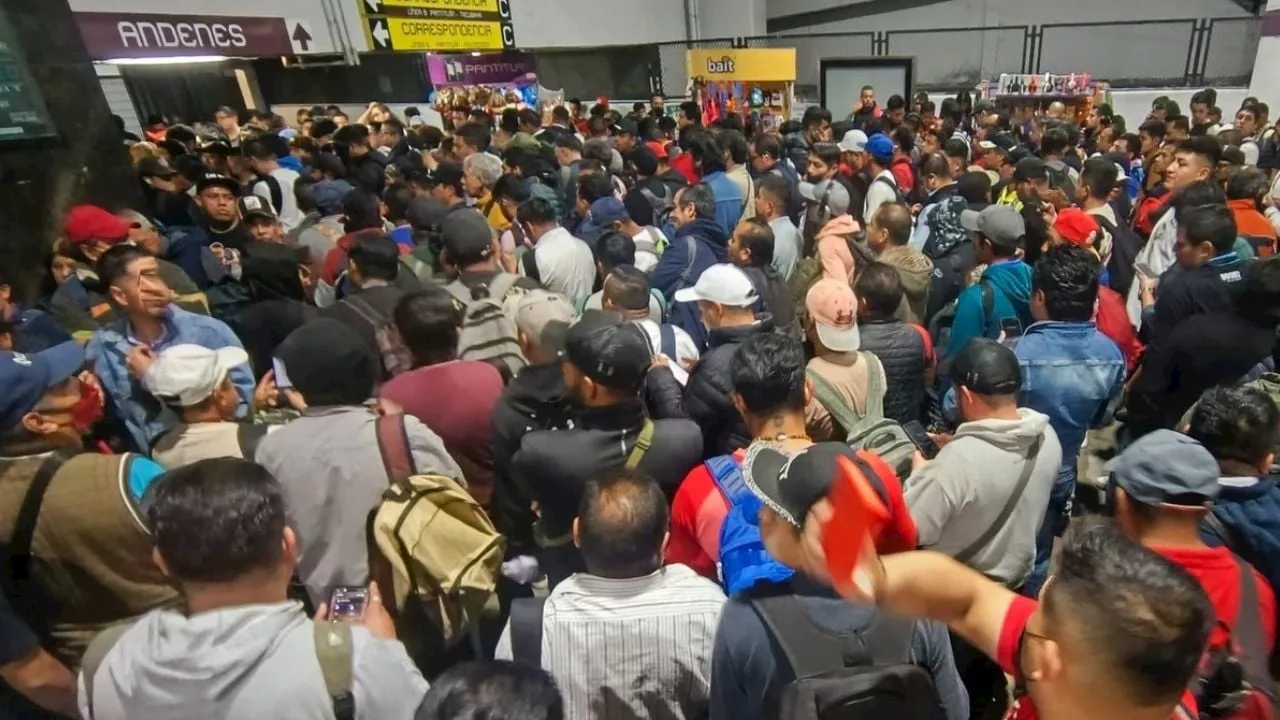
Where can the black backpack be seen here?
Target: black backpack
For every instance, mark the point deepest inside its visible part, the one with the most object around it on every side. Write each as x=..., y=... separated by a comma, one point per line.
x=847, y=677
x=1060, y=177
x=1125, y=245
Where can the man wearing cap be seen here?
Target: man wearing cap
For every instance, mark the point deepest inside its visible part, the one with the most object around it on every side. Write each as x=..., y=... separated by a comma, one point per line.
x=999, y=303
x=328, y=460
x=884, y=187
x=726, y=302
x=196, y=382
x=1161, y=489
x=91, y=230
x=535, y=399
x=1030, y=180
x=650, y=241
x=843, y=377
x=87, y=547
x=853, y=163
x=982, y=499
x=1074, y=374
x=260, y=220
x=168, y=200
x=748, y=673
x=605, y=363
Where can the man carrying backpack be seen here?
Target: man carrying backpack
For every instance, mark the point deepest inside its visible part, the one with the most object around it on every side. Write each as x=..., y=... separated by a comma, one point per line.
x=999, y=303
x=794, y=649
x=372, y=264
x=241, y=648
x=884, y=187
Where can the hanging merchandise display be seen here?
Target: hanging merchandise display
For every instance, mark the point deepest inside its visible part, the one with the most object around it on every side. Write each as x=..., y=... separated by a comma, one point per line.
x=493, y=82
x=751, y=82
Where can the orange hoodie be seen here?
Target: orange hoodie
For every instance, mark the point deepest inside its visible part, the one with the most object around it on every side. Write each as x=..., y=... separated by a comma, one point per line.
x=832, y=247
x=1253, y=226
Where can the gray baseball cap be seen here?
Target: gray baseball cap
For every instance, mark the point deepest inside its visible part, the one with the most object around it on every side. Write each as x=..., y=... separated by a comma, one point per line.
x=1000, y=224
x=836, y=197
x=1166, y=468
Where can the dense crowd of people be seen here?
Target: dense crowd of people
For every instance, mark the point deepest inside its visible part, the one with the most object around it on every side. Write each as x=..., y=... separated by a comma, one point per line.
x=554, y=416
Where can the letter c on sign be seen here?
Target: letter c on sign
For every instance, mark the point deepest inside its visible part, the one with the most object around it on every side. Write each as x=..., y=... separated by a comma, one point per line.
x=508, y=36
x=504, y=9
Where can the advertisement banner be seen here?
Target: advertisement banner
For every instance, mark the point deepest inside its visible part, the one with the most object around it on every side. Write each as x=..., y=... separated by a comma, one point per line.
x=509, y=68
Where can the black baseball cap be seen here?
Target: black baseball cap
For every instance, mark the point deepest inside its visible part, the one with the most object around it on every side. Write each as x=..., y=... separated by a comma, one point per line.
x=609, y=350
x=426, y=213
x=1030, y=168
x=987, y=367
x=322, y=356
x=447, y=174
x=625, y=127
x=212, y=179
x=252, y=206
x=468, y=238
x=791, y=484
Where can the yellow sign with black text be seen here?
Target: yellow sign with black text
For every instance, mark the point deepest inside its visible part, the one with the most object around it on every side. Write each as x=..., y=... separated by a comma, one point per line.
x=745, y=65
x=438, y=25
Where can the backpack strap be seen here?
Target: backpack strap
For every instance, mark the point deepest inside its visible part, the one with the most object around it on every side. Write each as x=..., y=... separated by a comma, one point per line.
x=501, y=285
x=1247, y=633
x=643, y=441
x=809, y=650
x=366, y=311
x=248, y=435
x=1028, y=467
x=1219, y=529
x=393, y=445
x=95, y=654
x=668, y=346
x=24, y=532
x=988, y=300
x=830, y=398
x=526, y=630
x=875, y=385
x=727, y=474
x=529, y=263
x=334, y=652
x=686, y=277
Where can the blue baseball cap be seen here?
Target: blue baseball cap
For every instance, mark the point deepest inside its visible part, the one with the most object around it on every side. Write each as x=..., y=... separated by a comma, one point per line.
x=25, y=378
x=607, y=211
x=880, y=147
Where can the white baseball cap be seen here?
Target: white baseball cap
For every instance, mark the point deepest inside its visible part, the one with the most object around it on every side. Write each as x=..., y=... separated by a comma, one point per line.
x=854, y=141
x=722, y=284
x=187, y=375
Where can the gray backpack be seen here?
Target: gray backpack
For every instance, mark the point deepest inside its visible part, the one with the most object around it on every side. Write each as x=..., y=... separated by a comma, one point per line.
x=488, y=330
x=871, y=431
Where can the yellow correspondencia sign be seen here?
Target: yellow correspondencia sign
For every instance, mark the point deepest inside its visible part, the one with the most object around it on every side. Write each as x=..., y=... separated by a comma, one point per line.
x=745, y=65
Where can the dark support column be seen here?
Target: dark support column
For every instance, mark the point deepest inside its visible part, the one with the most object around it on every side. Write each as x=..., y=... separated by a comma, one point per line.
x=87, y=162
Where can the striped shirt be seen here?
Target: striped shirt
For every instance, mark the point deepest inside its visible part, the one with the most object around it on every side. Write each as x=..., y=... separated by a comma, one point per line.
x=634, y=648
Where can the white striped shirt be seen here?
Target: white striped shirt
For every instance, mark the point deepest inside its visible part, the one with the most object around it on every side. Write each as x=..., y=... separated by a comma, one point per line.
x=636, y=648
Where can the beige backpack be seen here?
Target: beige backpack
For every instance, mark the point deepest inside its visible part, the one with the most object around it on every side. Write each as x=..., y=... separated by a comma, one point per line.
x=439, y=547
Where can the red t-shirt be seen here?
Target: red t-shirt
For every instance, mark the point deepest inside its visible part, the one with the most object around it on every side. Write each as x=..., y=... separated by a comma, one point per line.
x=698, y=511
x=456, y=400
x=683, y=164
x=1219, y=575
x=1015, y=624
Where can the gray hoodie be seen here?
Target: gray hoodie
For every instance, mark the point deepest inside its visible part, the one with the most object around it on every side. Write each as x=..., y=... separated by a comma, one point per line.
x=253, y=661
x=960, y=493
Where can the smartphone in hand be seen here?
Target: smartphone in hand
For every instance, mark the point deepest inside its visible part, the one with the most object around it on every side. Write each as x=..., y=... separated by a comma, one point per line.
x=925, y=444
x=347, y=602
x=857, y=516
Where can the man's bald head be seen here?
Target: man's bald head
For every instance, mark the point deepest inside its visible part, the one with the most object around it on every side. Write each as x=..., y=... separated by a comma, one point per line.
x=1057, y=109
x=622, y=525
x=897, y=220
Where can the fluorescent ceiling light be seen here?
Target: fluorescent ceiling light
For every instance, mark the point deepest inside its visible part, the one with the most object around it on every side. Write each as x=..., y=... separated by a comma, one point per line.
x=178, y=60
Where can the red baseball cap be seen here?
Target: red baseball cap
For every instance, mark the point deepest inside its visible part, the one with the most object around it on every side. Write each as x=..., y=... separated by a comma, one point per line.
x=1076, y=227
x=658, y=149
x=89, y=223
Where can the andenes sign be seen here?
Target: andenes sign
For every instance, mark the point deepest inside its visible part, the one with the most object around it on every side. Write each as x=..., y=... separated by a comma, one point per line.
x=117, y=35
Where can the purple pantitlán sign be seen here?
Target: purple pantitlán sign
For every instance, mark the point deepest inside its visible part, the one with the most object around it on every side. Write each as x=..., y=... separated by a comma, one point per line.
x=508, y=68
x=119, y=35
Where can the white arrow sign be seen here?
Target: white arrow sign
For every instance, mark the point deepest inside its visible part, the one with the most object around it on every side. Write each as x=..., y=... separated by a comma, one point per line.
x=374, y=5
x=381, y=34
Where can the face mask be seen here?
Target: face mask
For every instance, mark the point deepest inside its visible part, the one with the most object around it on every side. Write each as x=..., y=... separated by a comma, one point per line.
x=88, y=409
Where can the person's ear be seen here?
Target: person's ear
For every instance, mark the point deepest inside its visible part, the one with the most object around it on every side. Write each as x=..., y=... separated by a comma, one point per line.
x=738, y=403
x=1038, y=297
x=808, y=392
x=158, y=559
x=289, y=547
x=1265, y=466
x=1047, y=661
x=34, y=423
x=577, y=535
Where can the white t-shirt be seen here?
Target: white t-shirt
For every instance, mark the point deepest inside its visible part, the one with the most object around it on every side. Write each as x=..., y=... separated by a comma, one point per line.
x=879, y=193
x=648, y=237
x=565, y=263
x=290, y=216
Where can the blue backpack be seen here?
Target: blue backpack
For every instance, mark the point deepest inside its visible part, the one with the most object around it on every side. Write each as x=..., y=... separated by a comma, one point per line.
x=743, y=560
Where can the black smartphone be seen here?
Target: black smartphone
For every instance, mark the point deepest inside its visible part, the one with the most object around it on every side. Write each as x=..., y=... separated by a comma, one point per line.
x=925, y=444
x=347, y=602
x=1011, y=327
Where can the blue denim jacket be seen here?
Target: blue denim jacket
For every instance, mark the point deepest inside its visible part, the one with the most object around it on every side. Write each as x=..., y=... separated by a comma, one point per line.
x=145, y=417
x=1074, y=374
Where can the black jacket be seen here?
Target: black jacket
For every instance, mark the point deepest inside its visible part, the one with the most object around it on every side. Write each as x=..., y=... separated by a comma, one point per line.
x=555, y=465
x=1203, y=351
x=1210, y=288
x=706, y=396
x=535, y=400
x=901, y=350
x=368, y=172
x=775, y=298
x=382, y=301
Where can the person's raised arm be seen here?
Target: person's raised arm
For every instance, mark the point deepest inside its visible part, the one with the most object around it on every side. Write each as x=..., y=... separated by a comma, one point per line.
x=42, y=679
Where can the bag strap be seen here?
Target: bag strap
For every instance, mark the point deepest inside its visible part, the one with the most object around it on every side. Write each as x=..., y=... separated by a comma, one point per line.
x=1214, y=524
x=24, y=530
x=643, y=441
x=526, y=630
x=366, y=311
x=988, y=300
x=727, y=475
x=668, y=343
x=1028, y=467
x=830, y=398
x=1247, y=633
x=875, y=385
x=809, y=650
x=393, y=445
x=686, y=277
x=334, y=652
x=95, y=654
